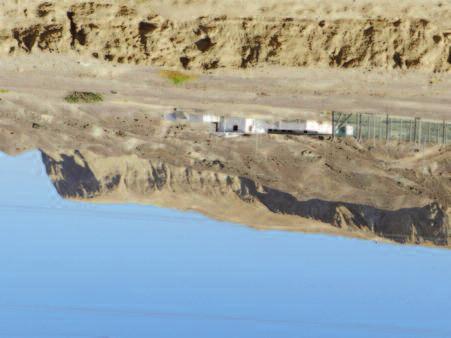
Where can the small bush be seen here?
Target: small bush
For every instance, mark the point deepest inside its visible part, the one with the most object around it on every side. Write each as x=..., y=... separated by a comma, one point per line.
x=176, y=77
x=83, y=97
x=4, y=91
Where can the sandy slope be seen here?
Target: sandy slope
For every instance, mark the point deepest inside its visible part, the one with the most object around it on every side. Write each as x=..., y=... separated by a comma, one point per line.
x=40, y=82
x=272, y=181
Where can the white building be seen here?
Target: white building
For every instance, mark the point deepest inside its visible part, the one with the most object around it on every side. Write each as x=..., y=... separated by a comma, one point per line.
x=242, y=125
x=316, y=127
x=262, y=126
x=305, y=127
x=289, y=126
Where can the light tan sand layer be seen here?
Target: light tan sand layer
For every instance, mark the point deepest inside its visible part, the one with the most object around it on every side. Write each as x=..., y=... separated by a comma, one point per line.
x=207, y=35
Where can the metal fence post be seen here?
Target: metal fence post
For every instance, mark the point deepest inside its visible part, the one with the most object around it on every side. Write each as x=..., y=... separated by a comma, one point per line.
x=410, y=131
x=419, y=131
x=446, y=134
x=438, y=134
x=359, y=126
x=415, y=129
x=333, y=125
x=374, y=130
x=387, y=132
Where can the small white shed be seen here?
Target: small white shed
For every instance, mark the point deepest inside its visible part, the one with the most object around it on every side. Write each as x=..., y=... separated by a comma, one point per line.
x=241, y=125
x=317, y=127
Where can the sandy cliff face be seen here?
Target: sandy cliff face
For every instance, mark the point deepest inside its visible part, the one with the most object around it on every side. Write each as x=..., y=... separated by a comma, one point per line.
x=141, y=33
x=90, y=176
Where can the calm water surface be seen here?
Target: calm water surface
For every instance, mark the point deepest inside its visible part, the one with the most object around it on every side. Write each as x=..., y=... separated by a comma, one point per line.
x=72, y=269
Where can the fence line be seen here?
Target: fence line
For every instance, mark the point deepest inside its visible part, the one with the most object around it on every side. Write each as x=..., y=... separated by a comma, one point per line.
x=366, y=126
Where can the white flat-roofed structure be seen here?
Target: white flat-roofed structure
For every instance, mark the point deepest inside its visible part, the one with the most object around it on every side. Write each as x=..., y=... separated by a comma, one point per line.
x=303, y=127
x=317, y=127
x=235, y=125
x=289, y=126
x=242, y=125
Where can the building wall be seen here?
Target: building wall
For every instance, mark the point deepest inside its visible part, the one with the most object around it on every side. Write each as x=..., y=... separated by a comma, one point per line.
x=210, y=118
x=227, y=124
x=261, y=126
x=290, y=125
x=308, y=126
x=325, y=128
x=318, y=127
x=248, y=126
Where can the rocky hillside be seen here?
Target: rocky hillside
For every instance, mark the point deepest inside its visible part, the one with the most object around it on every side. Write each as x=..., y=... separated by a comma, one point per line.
x=314, y=184
x=128, y=32
x=90, y=176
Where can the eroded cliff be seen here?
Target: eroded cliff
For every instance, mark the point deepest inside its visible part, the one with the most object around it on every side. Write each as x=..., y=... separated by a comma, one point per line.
x=132, y=32
x=89, y=176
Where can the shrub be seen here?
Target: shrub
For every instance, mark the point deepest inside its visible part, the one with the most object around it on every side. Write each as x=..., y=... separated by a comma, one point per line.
x=83, y=97
x=176, y=77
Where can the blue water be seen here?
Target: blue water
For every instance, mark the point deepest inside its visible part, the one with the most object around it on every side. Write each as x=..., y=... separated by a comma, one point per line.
x=72, y=269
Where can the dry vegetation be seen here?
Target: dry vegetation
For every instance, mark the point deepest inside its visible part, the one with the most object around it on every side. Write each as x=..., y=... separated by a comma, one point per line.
x=83, y=97
x=177, y=77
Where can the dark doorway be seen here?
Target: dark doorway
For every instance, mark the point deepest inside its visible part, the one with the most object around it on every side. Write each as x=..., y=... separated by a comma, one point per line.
x=235, y=127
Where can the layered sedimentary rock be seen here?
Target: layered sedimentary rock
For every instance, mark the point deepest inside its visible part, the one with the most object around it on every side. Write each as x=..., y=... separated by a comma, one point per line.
x=131, y=33
x=126, y=178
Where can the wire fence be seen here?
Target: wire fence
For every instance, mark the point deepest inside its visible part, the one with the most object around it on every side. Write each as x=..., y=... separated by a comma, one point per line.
x=364, y=126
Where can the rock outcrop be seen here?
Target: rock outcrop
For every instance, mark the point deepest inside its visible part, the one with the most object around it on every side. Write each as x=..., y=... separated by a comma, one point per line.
x=131, y=33
x=153, y=180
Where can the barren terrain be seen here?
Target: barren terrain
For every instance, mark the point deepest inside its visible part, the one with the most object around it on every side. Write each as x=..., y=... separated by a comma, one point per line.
x=278, y=58
x=271, y=59
x=41, y=81
x=393, y=191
